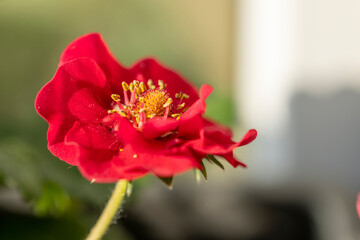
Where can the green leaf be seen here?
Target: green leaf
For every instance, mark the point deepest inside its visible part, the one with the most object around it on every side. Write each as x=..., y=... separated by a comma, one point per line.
x=212, y=159
x=167, y=180
x=53, y=200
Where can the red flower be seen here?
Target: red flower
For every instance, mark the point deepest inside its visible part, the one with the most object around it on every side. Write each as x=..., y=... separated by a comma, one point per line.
x=115, y=123
x=358, y=204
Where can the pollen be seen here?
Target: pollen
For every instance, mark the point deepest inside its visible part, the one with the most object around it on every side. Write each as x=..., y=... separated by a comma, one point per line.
x=153, y=102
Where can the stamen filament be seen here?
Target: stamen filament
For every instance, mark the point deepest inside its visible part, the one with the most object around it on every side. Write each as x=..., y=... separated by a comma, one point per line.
x=167, y=110
x=126, y=97
x=133, y=97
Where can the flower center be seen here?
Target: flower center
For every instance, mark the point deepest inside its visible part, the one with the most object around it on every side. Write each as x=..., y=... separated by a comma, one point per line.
x=146, y=102
x=153, y=102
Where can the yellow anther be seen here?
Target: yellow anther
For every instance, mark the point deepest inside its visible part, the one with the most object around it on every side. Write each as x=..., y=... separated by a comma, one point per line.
x=121, y=149
x=136, y=83
x=184, y=95
x=142, y=110
x=166, y=134
x=143, y=87
x=176, y=115
x=185, y=109
x=123, y=113
x=178, y=95
x=180, y=106
x=116, y=97
x=138, y=92
x=135, y=156
x=151, y=84
x=168, y=102
x=141, y=99
x=112, y=111
x=125, y=86
x=131, y=87
x=161, y=84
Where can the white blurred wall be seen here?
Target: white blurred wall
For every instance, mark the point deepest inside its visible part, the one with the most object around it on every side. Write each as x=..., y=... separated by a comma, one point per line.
x=288, y=48
x=298, y=79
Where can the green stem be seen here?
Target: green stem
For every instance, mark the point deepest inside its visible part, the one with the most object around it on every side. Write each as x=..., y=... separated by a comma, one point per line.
x=109, y=212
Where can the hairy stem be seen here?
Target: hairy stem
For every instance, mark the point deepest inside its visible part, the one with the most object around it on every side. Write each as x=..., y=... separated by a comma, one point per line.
x=109, y=212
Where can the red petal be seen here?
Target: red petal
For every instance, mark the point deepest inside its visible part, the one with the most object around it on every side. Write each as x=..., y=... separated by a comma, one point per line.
x=199, y=106
x=248, y=138
x=157, y=126
x=52, y=101
x=233, y=161
x=98, y=148
x=93, y=46
x=216, y=142
x=210, y=124
x=191, y=129
x=152, y=69
x=154, y=156
x=87, y=106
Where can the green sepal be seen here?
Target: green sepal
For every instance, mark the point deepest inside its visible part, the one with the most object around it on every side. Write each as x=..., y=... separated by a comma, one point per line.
x=203, y=170
x=167, y=180
x=212, y=159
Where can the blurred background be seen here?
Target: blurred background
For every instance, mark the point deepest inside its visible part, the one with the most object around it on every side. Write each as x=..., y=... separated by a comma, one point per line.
x=289, y=68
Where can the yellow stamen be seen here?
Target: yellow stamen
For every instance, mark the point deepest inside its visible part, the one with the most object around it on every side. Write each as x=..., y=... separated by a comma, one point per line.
x=135, y=156
x=143, y=87
x=121, y=149
x=178, y=95
x=161, y=84
x=123, y=113
x=180, y=106
x=151, y=84
x=166, y=134
x=125, y=86
x=176, y=115
x=185, y=109
x=136, y=83
x=168, y=102
x=116, y=97
x=184, y=95
x=131, y=87
x=112, y=111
